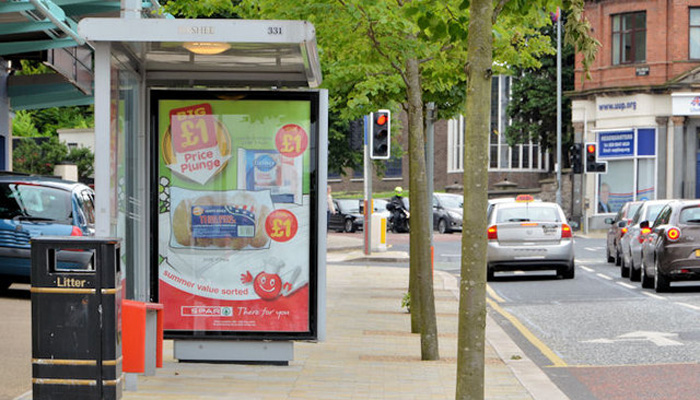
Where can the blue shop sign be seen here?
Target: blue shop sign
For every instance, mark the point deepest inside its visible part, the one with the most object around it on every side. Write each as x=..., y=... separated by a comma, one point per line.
x=616, y=144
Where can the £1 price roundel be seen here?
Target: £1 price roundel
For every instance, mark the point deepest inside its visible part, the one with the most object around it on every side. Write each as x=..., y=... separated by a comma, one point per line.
x=198, y=146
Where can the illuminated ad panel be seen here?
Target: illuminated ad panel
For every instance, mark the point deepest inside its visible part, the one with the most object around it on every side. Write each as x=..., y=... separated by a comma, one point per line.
x=234, y=213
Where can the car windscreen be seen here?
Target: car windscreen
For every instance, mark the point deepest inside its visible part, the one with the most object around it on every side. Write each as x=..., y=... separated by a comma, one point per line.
x=451, y=201
x=633, y=209
x=527, y=213
x=690, y=215
x=349, y=206
x=653, y=211
x=34, y=202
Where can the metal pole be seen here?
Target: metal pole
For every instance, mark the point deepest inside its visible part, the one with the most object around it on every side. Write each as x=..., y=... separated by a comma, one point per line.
x=558, y=107
x=430, y=157
x=368, y=187
x=430, y=167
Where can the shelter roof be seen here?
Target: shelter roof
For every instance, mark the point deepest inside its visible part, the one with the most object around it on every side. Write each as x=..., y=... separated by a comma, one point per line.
x=214, y=52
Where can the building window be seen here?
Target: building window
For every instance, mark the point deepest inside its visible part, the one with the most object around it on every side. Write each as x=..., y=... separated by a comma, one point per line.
x=631, y=173
x=501, y=156
x=394, y=168
x=455, y=144
x=694, y=32
x=334, y=175
x=629, y=38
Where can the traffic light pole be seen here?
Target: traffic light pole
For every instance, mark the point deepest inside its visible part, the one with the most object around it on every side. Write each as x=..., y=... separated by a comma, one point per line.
x=368, y=187
x=559, y=160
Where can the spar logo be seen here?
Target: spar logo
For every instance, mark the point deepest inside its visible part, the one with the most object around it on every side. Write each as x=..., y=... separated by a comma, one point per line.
x=265, y=163
x=206, y=311
x=695, y=104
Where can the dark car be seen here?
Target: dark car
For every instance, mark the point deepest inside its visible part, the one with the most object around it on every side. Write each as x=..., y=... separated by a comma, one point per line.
x=32, y=206
x=447, y=212
x=348, y=217
x=671, y=251
x=618, y=228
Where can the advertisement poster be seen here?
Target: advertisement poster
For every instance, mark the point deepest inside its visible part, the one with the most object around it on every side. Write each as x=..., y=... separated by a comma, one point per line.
x=234, y=213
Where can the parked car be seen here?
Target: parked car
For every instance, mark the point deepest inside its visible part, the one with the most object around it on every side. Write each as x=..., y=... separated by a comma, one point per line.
x=529, y=235
x=618, y=228
x=32, y=206
x=631, y=242
x=447, y=212
x=672, y=250
x=348, y=217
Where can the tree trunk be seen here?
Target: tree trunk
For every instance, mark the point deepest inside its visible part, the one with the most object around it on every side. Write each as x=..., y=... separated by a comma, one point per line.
x=421, y=216
x=472, y=304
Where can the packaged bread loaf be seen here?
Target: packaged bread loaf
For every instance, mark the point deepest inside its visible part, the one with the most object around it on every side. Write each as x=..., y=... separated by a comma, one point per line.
x=225, y=220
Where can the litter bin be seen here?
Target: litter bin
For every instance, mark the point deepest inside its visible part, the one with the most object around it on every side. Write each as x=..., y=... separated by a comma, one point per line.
x=76, y=330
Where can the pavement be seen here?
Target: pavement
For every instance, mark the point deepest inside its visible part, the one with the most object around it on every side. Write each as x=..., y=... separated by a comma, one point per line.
x=369, y=352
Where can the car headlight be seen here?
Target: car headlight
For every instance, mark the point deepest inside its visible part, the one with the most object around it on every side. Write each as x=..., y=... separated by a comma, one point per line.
x=454, y=215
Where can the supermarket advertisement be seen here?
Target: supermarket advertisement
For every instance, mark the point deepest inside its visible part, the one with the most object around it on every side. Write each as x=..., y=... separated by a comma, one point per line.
x=234, y=212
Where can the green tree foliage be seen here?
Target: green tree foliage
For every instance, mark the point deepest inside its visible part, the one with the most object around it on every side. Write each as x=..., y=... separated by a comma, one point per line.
x=47, y=121
x=200, y=8
x=533, y=105
x=84, y=159
x=23, y=125
x=31, y=157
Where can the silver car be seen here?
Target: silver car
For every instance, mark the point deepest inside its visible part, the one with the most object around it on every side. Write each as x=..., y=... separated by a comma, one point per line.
x=528, y=236
x=631, y=241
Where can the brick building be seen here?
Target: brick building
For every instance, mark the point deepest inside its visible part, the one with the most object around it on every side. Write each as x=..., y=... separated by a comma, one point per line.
x=642, y=103
x=523, y=165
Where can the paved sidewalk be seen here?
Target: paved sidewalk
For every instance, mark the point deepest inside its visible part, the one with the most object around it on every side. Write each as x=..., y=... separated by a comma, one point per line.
x=369, y=352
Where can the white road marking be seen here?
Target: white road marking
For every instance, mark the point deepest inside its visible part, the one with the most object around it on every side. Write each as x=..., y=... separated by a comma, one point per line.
x=591, y=261
x=605, y=277
x=660, y=339
x=593, y=248
x=656, y=296
x=693, y=307
x=627, y=285
x=587, y=269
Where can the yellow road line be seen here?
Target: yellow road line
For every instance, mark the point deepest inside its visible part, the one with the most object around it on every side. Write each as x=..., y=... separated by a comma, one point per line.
x=493, y=294
x=553, y=358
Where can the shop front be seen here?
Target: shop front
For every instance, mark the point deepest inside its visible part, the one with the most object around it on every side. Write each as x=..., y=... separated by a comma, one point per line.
x=630, y=133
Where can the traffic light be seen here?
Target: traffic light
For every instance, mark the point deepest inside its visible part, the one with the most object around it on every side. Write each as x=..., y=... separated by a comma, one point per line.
x=575, y=158
x=357, y=134
x=592, y=164
x=379, y=135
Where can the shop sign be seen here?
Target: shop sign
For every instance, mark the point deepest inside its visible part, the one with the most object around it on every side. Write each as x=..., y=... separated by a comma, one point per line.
x=618, y=106
x=616, y=144
x=686, y=103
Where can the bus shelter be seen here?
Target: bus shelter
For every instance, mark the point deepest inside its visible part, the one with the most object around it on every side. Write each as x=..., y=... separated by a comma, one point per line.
x=210, y=163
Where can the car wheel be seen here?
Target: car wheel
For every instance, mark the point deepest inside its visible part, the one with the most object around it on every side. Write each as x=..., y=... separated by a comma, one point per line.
x=661, y=283
x=647, y=281
x=349, y=226
x=635, y=274
x=442, y=226
x=568, y=272
x=618, y=258
x=624, y=269
x=607, y=253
